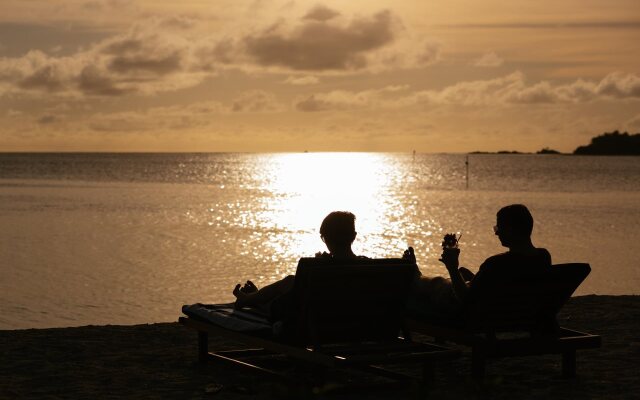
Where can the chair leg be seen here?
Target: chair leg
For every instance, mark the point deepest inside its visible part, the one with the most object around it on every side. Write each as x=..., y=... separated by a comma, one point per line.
x=477, y=363
x=203, y=346
x=569, y=364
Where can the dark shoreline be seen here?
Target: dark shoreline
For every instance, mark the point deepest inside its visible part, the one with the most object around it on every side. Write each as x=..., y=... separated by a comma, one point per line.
x=159, y=361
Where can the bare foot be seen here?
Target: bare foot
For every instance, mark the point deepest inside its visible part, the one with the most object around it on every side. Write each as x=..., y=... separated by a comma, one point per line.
x=241, y=297
x=249, y=287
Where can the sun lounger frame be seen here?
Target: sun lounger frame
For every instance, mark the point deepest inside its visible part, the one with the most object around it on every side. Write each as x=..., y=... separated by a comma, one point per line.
x=320, y=338
x=517, y=318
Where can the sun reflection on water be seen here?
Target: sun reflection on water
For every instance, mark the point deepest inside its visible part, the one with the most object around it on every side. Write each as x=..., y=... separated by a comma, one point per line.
x=306, y=187
x=270, y=215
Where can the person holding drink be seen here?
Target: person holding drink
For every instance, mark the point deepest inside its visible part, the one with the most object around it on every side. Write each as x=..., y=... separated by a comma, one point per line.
x=442, y=297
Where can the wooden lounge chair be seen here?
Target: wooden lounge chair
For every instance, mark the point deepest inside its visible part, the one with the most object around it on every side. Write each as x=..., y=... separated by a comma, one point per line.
x=339, y=315
x=516, y=318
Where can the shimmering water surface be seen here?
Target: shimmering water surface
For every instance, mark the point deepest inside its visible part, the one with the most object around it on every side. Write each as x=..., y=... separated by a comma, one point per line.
x=129, y=238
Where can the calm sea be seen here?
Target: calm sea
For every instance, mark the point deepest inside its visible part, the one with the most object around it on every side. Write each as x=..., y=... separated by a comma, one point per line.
x=129, y=238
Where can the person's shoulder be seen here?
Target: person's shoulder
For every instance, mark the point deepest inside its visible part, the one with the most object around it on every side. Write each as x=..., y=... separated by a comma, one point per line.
x=495, y=259
x=544, y=255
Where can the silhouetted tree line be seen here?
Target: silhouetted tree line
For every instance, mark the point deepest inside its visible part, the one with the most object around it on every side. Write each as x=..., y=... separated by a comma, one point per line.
x=613, y=143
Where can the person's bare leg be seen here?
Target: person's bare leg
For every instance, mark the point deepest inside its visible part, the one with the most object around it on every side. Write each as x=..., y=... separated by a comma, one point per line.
x=466, y=274
x=264, y=295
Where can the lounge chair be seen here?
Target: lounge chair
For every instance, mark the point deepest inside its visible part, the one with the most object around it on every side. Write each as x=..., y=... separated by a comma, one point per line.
x=339, y=315
x=516, y=318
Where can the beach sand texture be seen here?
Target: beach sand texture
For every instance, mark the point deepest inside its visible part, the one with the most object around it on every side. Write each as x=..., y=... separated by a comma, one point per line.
x=159, y=361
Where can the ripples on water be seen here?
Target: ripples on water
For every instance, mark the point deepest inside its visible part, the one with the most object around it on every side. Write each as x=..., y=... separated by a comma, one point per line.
x=126, y=238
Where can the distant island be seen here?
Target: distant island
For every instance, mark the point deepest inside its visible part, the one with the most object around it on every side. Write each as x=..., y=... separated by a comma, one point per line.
x=609, y=143
x=613, y=143
x=546, y=150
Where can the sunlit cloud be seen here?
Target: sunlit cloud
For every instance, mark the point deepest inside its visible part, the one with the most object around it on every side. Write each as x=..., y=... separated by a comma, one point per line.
x=513, y=89
x=505, y=90
x=302, y=80
x=256, y=101
x=488, y=60
x=633, y=124
x=344, y=100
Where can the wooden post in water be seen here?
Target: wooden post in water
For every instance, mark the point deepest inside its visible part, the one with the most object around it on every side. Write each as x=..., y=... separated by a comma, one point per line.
x=466, y=163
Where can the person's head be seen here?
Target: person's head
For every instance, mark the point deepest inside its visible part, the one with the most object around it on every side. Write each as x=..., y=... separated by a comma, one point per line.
x=338, y=231
x=514, y=224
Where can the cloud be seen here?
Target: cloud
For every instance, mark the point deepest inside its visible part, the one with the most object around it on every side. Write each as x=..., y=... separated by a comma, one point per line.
x=345, y=100
x=302, y=80
x=321, y=45
x=510, y=89
x=144, y=52
x=104, y=5
x=36, y=71
x=47, y=78
x=321, y=13
x=405, y=53
x=158, y=119
x=94, y=81
x=513, y=89
x=313, y=103
x=633, y=124
x=429, y=54
x=255, y=101
x=165, y=54
x=192, y=117
x=123, y=122
x=620, y=85
x=488, y=60
x=145, y=59
x=47, y=119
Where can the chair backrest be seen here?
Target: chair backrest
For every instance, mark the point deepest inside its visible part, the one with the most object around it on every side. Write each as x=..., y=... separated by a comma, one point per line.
x=524, y=304
x=353, y=300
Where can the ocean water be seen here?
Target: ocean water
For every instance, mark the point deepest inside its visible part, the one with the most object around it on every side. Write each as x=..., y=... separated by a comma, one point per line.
x=129, y=238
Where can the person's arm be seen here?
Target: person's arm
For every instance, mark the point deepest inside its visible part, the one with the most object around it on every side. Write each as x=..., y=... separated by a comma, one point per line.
x=450, y=260
x=264, y=295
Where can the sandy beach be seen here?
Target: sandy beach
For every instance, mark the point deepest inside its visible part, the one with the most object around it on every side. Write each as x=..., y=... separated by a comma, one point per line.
x=159, y=361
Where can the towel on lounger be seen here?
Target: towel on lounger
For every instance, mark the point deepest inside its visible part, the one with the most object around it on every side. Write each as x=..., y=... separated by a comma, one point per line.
x=226, y=316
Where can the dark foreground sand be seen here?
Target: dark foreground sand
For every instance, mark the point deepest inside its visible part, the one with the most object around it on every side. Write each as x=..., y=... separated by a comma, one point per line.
x=159, y=361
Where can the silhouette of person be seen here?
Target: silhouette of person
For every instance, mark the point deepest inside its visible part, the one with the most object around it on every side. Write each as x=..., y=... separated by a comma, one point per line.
x=337, y=231
x=441, y=296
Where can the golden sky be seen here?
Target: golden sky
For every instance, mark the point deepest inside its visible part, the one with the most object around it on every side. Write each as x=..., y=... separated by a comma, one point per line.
x=358, y=75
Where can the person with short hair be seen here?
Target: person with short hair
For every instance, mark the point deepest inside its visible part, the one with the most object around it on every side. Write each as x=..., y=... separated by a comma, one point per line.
x=514, y=225
x=337, y=231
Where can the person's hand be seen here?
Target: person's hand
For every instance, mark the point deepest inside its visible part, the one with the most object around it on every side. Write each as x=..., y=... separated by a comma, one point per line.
x=449, y=258
x=409, y=255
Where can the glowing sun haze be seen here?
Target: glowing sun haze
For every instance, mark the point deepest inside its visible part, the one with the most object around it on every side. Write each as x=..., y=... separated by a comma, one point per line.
x=434, y=76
